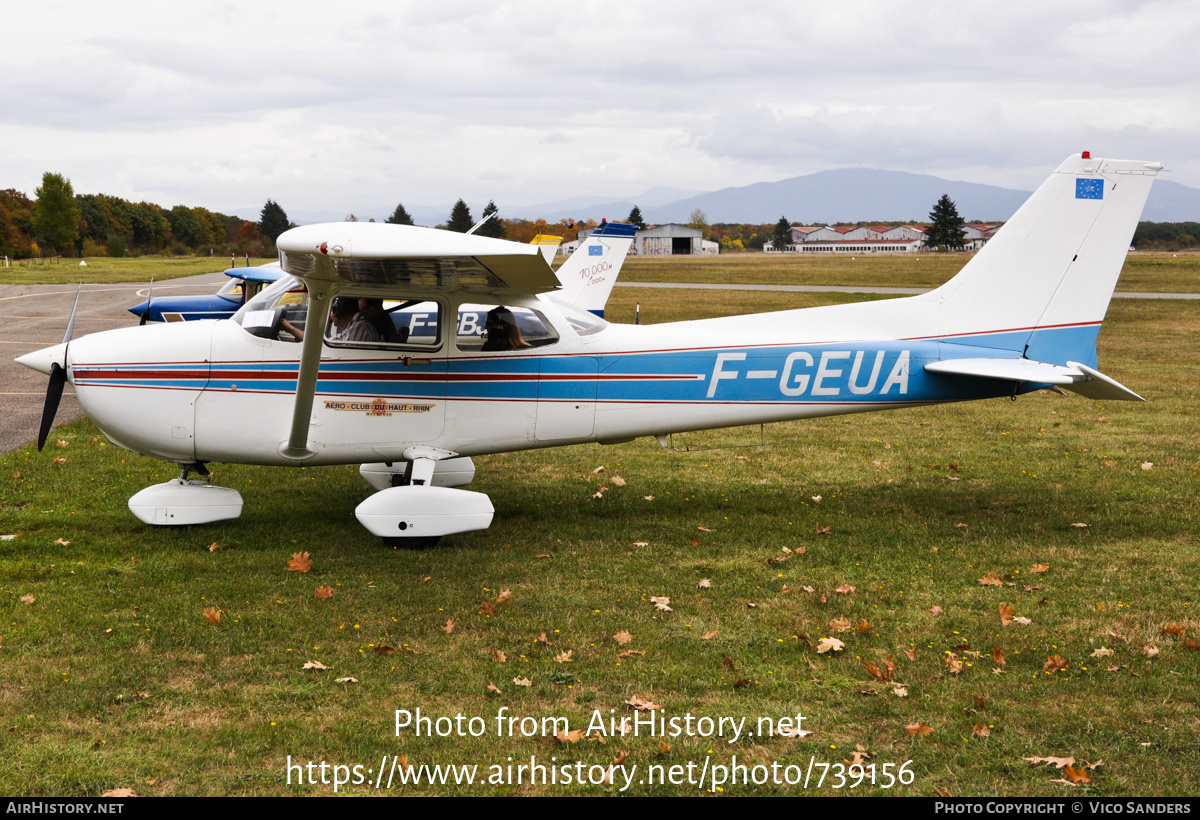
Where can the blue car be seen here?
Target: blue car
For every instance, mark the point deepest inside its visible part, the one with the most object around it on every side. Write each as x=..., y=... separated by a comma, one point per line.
x=243, y=284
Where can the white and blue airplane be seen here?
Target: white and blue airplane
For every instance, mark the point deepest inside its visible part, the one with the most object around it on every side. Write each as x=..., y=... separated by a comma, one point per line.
x=1022, y=315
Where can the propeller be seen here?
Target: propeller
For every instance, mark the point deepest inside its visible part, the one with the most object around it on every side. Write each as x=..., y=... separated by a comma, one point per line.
x=58, y=379
x=146, y=315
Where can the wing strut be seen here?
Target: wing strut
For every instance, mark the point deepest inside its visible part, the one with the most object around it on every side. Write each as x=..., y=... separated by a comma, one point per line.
x=296, y=446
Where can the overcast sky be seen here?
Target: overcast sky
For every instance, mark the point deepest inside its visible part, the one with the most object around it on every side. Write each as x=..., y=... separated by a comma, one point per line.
x=355, y=106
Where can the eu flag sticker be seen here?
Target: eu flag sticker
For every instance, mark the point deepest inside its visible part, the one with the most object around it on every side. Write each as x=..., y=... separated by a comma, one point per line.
x=1089, y=188
x=595, y=250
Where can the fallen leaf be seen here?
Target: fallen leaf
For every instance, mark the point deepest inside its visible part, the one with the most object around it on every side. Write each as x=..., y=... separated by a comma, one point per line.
x=522, y=681
x=941, y=791
x=1079, y=775
x=998, y=656
x=1102, y=652
x=864, y=626
x=212, y=615
x=899, y=691
x=1056, y=762
x=617, y=481
x=960, y=526
x=845, y=589
x=1079, y=524
x=323, y=592
x=641, y=543
x=491, y=687
x=542, y=555
x=120, y=793
x=741, y=683
x=1192, y=644
x=704, y=529
x=1149, y=650
x=384, y=649
x=881, y=675
x=777, y=561
x=599, y=493
x=572, y=736
x=1039, y=568
x=301, y=562
x=345, y=680
x=791, y=731
x=704, y=584
x=620, y=758
x=63, y=442
x=1174, y=630
x=816, y=499
x=953, y=663
x=911, y=653
x=1147, y=465
x=630, y=653
x=62, y=542
x=839, y=624
x=60, y=460
x=641, y=704
x=565, y=657
x=822, y=530
x=827, y=644
x=449, y=627
x=1022, y=621
x=647, y=498
x=991, y=580
x=314, y=665
x=1054, y=663
x=1006, y=614
x=708, y=635
x=213, y=546
x=919, y=729
x=498, y=656
x=935, y=610
x=598, y=470
x=27, y=599
x=661, y=602
x=622, y=637
x=542, y=638
x=486, y=609
x=979, y=730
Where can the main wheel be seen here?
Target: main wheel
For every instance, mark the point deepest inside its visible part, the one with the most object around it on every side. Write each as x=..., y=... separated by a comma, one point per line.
x=419, y=543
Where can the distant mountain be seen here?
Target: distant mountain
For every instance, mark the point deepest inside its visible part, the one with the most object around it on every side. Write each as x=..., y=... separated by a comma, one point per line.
x=844, y=195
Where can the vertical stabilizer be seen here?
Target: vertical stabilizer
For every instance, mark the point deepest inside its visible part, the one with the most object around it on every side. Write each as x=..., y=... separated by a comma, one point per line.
x=589, y=275
x=1042, y=285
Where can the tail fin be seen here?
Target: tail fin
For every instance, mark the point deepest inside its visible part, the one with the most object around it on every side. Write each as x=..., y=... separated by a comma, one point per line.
x=548, y=245
x=589, y=275
x=1041, y=287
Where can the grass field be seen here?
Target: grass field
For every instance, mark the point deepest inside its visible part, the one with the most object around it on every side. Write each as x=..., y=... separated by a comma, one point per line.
x=905, y=535
x=110, y=270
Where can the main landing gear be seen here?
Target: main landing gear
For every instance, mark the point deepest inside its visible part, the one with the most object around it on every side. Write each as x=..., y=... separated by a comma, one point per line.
x=420, y=505
x=186, y=501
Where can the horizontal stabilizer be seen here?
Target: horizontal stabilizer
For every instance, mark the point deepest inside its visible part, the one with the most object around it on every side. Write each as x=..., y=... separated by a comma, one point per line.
x=1076, y=377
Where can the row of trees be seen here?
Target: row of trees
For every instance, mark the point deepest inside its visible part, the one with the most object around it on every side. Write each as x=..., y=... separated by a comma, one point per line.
x=59, y=221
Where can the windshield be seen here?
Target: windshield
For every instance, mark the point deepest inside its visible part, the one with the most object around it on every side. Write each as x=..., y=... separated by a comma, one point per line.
x=583, y=322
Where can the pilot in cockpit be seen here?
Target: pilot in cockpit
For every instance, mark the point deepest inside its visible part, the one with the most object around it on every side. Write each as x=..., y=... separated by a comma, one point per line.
x=503, y=332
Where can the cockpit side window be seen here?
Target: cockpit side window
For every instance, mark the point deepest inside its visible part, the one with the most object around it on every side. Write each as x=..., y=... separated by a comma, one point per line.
x=499, y=328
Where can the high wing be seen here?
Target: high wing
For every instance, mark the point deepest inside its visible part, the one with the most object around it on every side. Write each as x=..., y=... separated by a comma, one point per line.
x=382, y=257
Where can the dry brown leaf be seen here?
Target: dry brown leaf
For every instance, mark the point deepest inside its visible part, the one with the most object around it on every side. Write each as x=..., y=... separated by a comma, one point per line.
x=317, y=665
x=1056, y=762
x=27, y=599
x=1079, y=524
x=1150, y=650
x=822, y=530
x=522, y=681
x=504, y=597
x=704, y=584
x=1174, y=630
x=839, y=624
x=1078, y=775
x=1147, y=465
x=998, y=656
x=486, y=609
x=565, y=657
x=62, y=542
x=1022, y=621
x=827, y=644
x=1102, y=652
x=120, y=793
x=1054, y=663
x=864, y=626
x=704, y=529
x=449, y=627
x=491, y=687
x=598, y=470
x=301, y=562
x=60, y=460
x=816, y=499
x=979, y=730
x=622, y=637
x=1039, y=568
x=629, y=653
x=991, y=580
x=212, y=615
x=935, y=610
x=1193, y=644
x=324, y=592
x=899, y=691
x=214, y=546
x=647, y=498
x=572, y=736
x=953, y=663
x=498, y=656
x=1006, y=614
x=384, y=649
x=941, y=791
x=741, y=683
x=620, y=758
x=881, y=675
x=661, y=602
x=617, y=481
x=542, y=638
x=708, y=635
x=919, y=729
x=641, y=704
x=845, y=589
x=777, y=561
x=345, y=680
x=911, y=654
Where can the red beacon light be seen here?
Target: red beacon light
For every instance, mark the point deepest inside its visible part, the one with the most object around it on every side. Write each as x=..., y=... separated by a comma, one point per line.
x=1087, y=154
